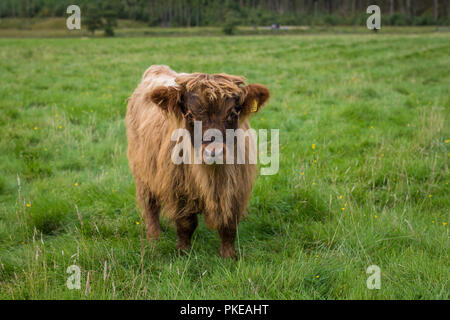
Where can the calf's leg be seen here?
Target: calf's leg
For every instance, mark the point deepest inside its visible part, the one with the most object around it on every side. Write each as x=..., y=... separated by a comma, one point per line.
x=227, y=238
x=185, y=229
x=151, y=217
x=150, y=213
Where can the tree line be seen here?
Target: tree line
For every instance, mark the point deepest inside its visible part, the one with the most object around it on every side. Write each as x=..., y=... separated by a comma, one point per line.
x=184, y=13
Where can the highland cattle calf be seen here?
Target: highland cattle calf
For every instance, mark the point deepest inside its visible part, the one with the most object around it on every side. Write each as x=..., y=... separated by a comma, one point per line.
x=166, y=101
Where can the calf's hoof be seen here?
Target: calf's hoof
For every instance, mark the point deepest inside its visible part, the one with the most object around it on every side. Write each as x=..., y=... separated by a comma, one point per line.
x=153, y=234
x=183, y=248
x=228, y=253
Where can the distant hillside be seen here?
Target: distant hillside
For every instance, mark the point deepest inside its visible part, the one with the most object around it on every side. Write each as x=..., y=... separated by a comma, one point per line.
x=173, y=13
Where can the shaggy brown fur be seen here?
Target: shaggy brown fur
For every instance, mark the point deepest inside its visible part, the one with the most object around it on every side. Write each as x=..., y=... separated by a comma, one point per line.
x=165, y=101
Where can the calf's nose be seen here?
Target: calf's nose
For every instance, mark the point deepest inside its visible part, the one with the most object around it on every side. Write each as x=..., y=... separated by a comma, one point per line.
x=217, y=152
x=214, y=153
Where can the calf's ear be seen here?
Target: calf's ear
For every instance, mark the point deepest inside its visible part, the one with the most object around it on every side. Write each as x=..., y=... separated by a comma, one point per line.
x=167, y=98
x=255, y=96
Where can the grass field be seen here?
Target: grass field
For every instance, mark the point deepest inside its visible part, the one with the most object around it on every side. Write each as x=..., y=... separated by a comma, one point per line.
x=363, y=180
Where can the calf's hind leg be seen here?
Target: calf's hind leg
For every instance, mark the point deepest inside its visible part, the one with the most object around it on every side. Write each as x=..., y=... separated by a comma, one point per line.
x=150, y=213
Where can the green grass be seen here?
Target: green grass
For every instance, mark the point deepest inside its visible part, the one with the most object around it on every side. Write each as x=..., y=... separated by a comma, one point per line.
x=373, y=191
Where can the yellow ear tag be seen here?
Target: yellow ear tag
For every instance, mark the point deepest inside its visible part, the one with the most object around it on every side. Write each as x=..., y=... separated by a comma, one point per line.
x=255, y=106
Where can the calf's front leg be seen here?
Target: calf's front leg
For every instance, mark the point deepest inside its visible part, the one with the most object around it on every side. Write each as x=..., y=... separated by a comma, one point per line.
x=151, y=218
x=150, y=211
x=227, y=238
x=185, y=229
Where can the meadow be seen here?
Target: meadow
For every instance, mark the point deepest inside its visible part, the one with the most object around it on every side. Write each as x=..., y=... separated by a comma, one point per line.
x=363, y=179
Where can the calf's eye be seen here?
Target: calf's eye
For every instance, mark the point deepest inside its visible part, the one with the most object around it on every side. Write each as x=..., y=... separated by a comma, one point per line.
x=232, y=118
x=189, y=116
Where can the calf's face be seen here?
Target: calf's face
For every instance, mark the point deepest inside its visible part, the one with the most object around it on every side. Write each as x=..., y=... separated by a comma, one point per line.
x=217, y=109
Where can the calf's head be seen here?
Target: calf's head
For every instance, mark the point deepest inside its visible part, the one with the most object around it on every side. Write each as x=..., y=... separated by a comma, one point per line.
x=219, y=102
